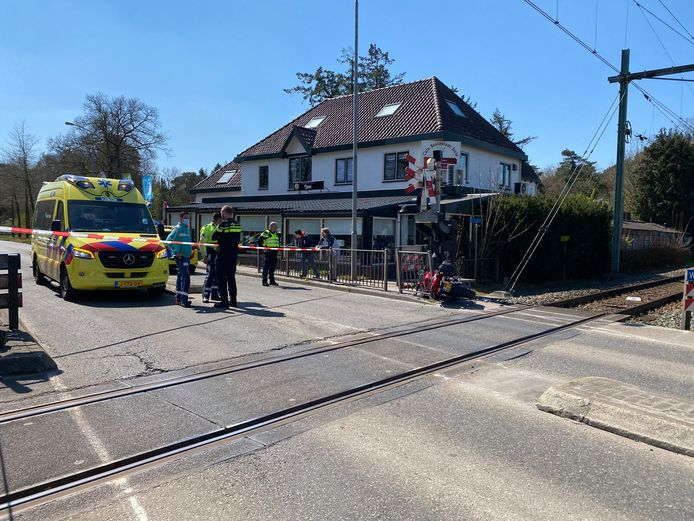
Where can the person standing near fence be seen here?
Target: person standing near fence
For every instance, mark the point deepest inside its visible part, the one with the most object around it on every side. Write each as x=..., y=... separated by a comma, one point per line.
x=304, y=241
x=269, y=239
x=329, y=242
x=227, y=236
x=209, y=287
x=182, y=253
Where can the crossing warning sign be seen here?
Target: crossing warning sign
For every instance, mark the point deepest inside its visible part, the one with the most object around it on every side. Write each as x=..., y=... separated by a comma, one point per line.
x=688, y=298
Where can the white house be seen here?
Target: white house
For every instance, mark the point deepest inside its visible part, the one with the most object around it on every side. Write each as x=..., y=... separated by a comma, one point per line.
x=301, y=174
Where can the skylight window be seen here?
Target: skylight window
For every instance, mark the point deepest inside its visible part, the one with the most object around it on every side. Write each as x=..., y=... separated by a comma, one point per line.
x=455, y=108
x=315, y=122
x=388, y=110
x=226, y=177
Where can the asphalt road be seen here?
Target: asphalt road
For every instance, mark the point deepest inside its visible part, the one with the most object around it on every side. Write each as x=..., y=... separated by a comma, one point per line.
x=463, y=444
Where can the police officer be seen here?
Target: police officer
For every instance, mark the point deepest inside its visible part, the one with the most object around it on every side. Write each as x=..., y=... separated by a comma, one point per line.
x=209, y=287
x=269, y=239
x=227, y=235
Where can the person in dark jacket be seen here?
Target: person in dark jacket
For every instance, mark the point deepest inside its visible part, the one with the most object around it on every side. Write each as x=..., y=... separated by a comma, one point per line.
x=304, y=241
x=227, y=235
x=269, y=239
x=329, y=242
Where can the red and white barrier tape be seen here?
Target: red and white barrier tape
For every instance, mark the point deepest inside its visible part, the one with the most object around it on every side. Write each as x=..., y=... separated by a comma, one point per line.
x=100, y=237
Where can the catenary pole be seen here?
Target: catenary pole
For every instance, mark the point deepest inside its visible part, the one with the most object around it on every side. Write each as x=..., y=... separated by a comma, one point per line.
x=619, y=176
x=355, y=138
x=623, y=79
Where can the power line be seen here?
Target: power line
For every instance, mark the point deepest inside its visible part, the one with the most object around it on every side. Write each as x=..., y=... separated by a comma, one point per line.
x=663, y=22
x=676, y=19
x=649, y=97
x=671, y=79
x=570, y=183
x=655, y=33
x=572, y=35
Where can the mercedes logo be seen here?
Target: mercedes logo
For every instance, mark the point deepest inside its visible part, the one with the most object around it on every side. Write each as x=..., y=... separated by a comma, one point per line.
x=128, y=259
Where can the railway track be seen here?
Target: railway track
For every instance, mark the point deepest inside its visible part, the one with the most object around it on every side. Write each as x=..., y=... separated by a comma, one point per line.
x=52, y=489
x=628, y=300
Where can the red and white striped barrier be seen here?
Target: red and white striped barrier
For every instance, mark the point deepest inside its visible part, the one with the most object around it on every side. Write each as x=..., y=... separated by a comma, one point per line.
x=101, y=237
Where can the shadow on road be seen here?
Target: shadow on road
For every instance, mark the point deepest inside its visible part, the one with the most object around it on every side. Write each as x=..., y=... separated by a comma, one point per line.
x=21, y=384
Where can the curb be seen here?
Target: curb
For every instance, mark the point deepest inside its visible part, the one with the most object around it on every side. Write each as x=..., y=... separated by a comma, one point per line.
x=630, y=412
x=25, y=357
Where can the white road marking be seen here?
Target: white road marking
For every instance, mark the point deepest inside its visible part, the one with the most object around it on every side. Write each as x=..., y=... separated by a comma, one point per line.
x=530, y=321
x=100, y=450
x=632, y=336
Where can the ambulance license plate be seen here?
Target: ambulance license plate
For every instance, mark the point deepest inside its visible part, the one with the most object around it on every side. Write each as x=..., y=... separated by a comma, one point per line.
x=128, y=283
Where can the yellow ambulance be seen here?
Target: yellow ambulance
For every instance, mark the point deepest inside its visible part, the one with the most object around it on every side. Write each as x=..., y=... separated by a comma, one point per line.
x=112, y=242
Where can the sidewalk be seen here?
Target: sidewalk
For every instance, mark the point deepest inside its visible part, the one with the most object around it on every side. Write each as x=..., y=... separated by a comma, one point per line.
x=23, y=355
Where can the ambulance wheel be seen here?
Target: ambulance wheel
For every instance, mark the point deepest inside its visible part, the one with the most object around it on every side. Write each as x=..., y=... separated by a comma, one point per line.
x=38, y=276
x=156, y=292
x=192, y=269
x=67, y=292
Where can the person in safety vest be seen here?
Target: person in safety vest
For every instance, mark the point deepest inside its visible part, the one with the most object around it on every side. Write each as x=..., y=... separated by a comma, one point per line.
x=209, y=287
x=269, y=239
x=182, y=252
x=227, y=235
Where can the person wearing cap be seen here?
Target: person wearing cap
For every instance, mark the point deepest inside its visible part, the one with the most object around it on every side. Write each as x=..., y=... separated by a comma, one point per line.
x=209, y=287
x=269, y=239
x=227, y=235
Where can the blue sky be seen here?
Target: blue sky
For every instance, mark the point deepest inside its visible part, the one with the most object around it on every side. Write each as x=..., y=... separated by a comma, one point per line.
x=216, y=69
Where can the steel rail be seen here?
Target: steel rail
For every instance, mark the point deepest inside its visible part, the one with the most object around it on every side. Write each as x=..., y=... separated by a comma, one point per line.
x=44, y=492
x=593, y=297
x=36, y=410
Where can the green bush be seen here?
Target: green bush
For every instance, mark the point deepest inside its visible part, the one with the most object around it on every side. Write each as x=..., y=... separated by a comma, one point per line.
x=587, y=223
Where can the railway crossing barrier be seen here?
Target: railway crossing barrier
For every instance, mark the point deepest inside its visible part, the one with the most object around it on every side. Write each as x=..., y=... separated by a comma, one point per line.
x=688, y=298
x=10, y=294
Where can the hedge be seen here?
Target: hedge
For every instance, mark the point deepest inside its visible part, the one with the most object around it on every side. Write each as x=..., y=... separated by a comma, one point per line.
x=586, y=222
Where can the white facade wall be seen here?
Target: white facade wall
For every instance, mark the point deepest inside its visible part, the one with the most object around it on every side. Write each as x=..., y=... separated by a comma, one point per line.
x=484, y=168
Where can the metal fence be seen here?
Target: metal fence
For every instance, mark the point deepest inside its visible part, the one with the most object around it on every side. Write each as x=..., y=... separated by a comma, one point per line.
x=410, y=268
x=334, y=266
x=481, y=270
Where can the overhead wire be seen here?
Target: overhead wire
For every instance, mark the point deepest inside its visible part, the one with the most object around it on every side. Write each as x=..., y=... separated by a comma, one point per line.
x=649, y=97
x=663, y=21
x=676, y=19
x=568, y=186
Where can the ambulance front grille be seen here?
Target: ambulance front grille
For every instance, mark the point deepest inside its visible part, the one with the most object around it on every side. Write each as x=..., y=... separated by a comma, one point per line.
x=126, y=259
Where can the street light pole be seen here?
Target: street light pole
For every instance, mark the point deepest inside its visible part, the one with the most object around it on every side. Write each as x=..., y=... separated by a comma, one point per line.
x=355, y=107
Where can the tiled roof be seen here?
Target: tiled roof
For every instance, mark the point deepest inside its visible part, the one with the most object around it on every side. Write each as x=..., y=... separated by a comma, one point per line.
x=211, y=181
x=423, y=110
x=307, y=206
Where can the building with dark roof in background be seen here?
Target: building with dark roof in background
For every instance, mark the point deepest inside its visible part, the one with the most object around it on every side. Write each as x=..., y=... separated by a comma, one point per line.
x=301, y=175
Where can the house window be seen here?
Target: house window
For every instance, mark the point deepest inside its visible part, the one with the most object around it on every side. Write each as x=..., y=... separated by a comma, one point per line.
x=394, y=166
x=457, y=173
x=226, y=177
x=343, y=171
x=504, y=175
x=388, y=110
x=299, y=170
x=263, y=177
x=314, y=122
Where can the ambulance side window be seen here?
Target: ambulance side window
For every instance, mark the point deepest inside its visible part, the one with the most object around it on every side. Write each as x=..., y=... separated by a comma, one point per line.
x=60, y=216
x=43, y=214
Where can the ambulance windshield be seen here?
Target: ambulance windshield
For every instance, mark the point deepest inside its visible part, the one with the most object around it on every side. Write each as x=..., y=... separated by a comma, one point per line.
x=107, y=216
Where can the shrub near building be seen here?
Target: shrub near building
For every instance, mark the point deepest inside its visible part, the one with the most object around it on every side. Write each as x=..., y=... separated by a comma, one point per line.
x=586, y=222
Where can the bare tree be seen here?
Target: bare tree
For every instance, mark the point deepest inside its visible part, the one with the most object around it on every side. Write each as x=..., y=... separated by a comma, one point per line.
x=21, y=153
x=113, y=135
